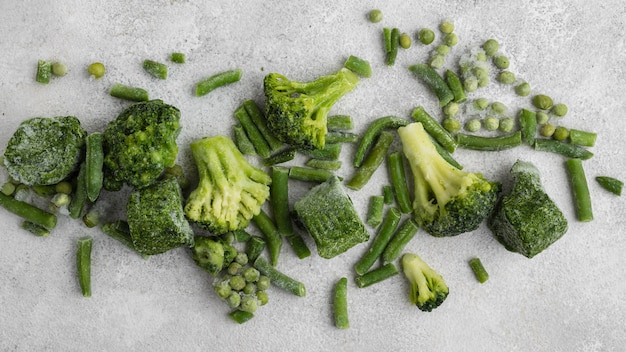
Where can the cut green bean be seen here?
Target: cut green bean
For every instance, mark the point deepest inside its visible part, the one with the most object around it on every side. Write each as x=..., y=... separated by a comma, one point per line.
x=580, y=189
x=28, y=211
x=331, y=151
x=260, y=121
x=253, y=133
x=273, y=238
x=279, y=279
x=254, y=247
x=307, y=174
x=377, y=275
x=394, y=42
x=434, y=128
x=279, y=199
x=242, y=141
x=497, y=143
x=280, y=157
x=155, y=69
x=388, y=196
x=340, y=304
x=386, y=230
x=120, y=231
x=221, y=79
x=298, y=245
x=239, y=316
x=94, y=160
x=387, y=39
x=397, y=177
x=339, y=122
x=456, y=86
x=400, y=239
x=178, y=58
x=611, y=184
x=331, y=165
x=241, y=236
x=35, y=229
x=434, y=82
x=372, y=132
x=374, y=215
x=44, y=71
x=79, y=198
x=83, y=264
x=528, y=126
x=45, y=191
x=341, y=137
x=479, y=270
x=373, y=160
x=566, y=149
x=582, y=138
x=359, y=66
x=125, y=92
x=446, y=155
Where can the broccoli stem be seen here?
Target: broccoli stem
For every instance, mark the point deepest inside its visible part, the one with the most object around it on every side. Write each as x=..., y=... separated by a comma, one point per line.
x=254, y=247
x=373, y=160
x=474, y=142
x=331, y=165
x=386, y=230
x=279, y=279
x=479, y=270
x=309, y=174
x=434, y=82
x=28, y=211
x=260, y=121
x=253, y=133
x=340, y=304
x=435, y=129
x=372, y=132
x=272, y=236
x=207, y=85
x=400, y=239
x=528, y=126
x=83, y=264
x=239, y=316
x=566, y=149
x=397, y=176
x=339, y=122
x=580, y=189
x=242, y=141
x=377, y=275
x=128, y=93
x=375, y=211
x=94, y=160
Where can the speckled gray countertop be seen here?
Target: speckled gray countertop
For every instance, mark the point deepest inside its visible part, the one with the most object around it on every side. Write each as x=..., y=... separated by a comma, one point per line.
x=568, y=298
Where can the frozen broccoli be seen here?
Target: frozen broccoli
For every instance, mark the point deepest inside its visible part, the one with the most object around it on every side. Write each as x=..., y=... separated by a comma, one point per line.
x=156, y=219
x=139, y=144
x=297, y=111
x=526, y=220
x=328, y=215
x=428, y=290
x=45, y=151
x=447, y=201
x=212, y=254
x=230, y=191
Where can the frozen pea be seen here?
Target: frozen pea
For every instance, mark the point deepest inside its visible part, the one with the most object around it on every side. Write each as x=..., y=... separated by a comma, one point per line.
x=451, y=124
x=491, y=123
x=473, y=125
x=498, y=108
x=507, y=124
x=405, y=41
x=481, y=103
x=560, y=133
x=446, y=26
x=437, y=61
x=522, y=89
x=426, y=36
x=542, y=117
x=501, y=62
x=542, y=101
x=451, y=39
x=506, y=77
x=547, y=130
x=442, y=49
x=375, y=16
x=470, y=84
x=559, y=109
x=491, y=46
x=451, y=109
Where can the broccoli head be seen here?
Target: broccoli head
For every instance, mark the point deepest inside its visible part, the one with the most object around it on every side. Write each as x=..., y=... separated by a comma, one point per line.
x=447, y=201
x=297, y=111
x=44, y=151
x=156, y=219
x=230, y=191
x=139, y=144
x=212, y=254
x=328, y=215
x=526, y=220
x=427, y=290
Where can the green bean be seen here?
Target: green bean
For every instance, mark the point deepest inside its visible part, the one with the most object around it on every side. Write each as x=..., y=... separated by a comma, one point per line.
x=331, y=165
x=387, y=39
x=340, y=304
x=373, y=160
x=388, y=196
x=221, y=79
x=253, y=133
x=298, y=245
x=35, y=229
x=239, y=316
x=341, y=137
x=178, y=58
x=83, y=264
x=397, y=177
x=611, y=184
x=242, y=141
x=254, y=247
x=456, y=86
x=44, y=71
x=282, y=156
x=506, y=141
x=375, y=211
x=307, y=174
x=359, y=66
x=330, y=151
x=372, y=132
x=125, y=92
x=279, y=279
x=390, y=59
x=377, y=275
x=582, y=138
x=339, y=122
x=479, y=270
x=260, y=121
x=94, y=160
x=79, y=198
x=400, y=239
x=44, y=190
x=155, y=69
x=386, y=230
x=272, y=236
x=528, y=126
x=580, y=189
x=279, y=199
x=434, y=128
x=566, y=149
x=434, y=82
x=28, y=211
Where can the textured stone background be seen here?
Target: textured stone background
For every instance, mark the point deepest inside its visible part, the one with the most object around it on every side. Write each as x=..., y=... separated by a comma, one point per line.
x=568, y=298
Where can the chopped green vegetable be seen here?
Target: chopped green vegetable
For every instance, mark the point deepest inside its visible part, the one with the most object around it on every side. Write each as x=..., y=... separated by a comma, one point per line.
x=178, y=58
x=428, y=290
x=94, y=161
x=434, y=82
x=273, y=238
x=376, y=248
x=582, y=138
x=340, y=304
x=566, y=149
x=207, y=85
x=376, y=275
x=129, y=93
x=155, y=69
x=44, y=71
x=375, y=211
x=400, y=239
x=83, y=264
x=280, y=279
x=359, y=66
x=479, y=270
x=374, y=158
x=35, y=229
x=496, y=143
x=611, y=184
x=372, y=133
x=210, y=254
x=580, y=189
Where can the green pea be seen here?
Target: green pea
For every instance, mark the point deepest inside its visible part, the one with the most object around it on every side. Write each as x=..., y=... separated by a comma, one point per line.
x=507, y=124
x=481, y=103
x=470, y=84
x=442, y=49
x=234, y=268
x=249, y=304
x=481, y=72
x=451, y=109
x=222, y=289
x=483, y=82
x=233, y=300
x=481, y=56
x=547, y=130
x=96, y=70
x=63, y=187
x=501, y=62
x=375, y=16
x=491, y=123
x=237, y=283
x=263, y=283
x=59, y=69
x=542, y=101
x=426, y=36
x=542, y=118
x=506, y=77
x=451, y=39
x=491, y=46
x=498, y=108
x=559, y=109
x=446, y=26
x=405, y=41
x=263, y=297
x=451, y=124
x=522, y=89
x=249, y=289
x=251, y=274
x=7, y=188
x=437, y=61
x=560, y=133
x=473, y=125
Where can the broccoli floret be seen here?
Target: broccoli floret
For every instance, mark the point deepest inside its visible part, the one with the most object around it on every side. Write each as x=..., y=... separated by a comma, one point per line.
x=156, y=219
x=230, y=191
x=328, y=215
x=297, y=111
x=139, y=144
x=526, y=220
x=212, y=254
x=447, y=201
x=428, y=290
x=45, y=151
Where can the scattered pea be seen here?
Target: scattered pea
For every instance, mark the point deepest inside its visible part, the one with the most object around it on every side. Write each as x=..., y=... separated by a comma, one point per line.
x=375, y=16
x=547, y=130
x=451, y=124
x=481, y=72
x=559, y=109
x=233, y=300
x=470, y=84
x=451, y=39
x=560, y=133
x=491, y=123
x=8, y=188
x=96, y=70
x=249, y=289
x=491, y=46
x=446, y=26
x=442, y=49
x=249, y=304
x=501, y=62
x=506, y=77
x=263, y=283
x=237, y=283
x=483, y=82
x=263, y=297
x=437, y=61
x=222, y=289
x=542, y=117
x=522, y=89
x=251, y=274
x=63, y=187
x=234, y=268
x=498, y=108
x=481, y=103
x=426, y=36
x=507, y=124
x=481, y=56
x=473, y=125
x=451, y=109
x=542, y=101
x=59, y=69
x=405, y=41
